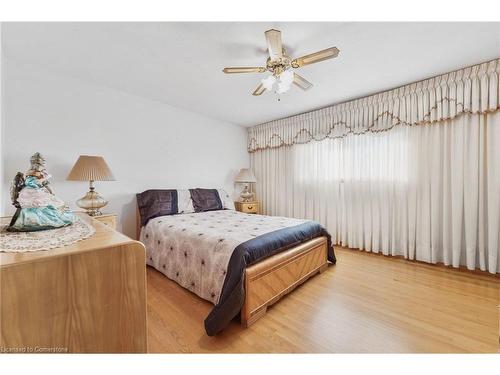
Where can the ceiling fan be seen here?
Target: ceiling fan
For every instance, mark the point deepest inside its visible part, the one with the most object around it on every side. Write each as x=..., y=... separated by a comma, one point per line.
x=282, y=66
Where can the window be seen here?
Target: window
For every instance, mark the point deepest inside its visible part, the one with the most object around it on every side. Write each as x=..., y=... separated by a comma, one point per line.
x=382, y=157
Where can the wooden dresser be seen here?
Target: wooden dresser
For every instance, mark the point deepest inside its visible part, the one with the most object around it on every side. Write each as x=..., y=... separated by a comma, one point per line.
x=87, y=297
x=108, y=219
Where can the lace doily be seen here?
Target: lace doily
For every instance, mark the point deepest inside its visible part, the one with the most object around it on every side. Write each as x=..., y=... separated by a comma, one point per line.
x=20, y=242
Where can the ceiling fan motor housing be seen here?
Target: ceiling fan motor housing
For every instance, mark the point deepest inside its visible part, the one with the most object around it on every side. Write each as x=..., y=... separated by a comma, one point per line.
x=279, y=65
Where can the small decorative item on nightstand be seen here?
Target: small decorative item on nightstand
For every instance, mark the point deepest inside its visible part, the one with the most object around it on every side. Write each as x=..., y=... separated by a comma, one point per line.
x=107, y=219
x=247, y=207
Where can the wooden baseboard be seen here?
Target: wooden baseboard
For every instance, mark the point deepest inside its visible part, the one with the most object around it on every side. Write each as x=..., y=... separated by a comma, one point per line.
x=401, y=258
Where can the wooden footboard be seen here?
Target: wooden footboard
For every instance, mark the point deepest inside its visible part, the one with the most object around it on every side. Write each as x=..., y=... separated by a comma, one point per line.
x=267, y=281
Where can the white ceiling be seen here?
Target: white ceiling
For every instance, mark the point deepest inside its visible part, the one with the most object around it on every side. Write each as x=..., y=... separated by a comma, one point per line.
x=180, y=63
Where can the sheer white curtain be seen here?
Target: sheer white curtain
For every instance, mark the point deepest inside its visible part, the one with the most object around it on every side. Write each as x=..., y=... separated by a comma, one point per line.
x=429, y=192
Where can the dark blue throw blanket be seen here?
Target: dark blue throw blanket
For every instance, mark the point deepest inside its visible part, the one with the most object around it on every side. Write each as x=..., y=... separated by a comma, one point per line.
x=249, y=252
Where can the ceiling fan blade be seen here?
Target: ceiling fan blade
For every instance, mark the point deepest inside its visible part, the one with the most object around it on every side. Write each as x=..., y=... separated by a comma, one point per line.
x=274, y=44
x=256, y=69
x=300, y=81
x=315, y=57
x=259, y=90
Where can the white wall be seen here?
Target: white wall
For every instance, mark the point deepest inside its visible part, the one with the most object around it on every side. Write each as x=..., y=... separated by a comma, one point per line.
x=147, y=144
x=2, y=192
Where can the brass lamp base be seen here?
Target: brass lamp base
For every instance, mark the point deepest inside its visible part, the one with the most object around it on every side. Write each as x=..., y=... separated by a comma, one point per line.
x=92, y=202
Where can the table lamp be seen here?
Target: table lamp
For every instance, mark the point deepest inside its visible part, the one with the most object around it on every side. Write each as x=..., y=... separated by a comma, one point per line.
x=246, y=177
x=91, y=168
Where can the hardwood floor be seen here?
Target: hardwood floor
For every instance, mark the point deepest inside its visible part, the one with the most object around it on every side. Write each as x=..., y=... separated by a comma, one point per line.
x=366, y=303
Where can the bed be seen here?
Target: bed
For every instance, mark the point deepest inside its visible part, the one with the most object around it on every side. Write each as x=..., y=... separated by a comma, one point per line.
x=242, y=263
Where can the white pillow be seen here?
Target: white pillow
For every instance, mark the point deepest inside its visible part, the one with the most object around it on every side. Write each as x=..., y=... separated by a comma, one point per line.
x=184, y=202
x=227, y=201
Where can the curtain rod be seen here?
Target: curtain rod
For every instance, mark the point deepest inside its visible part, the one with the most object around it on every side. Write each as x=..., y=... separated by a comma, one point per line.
x=375, y=93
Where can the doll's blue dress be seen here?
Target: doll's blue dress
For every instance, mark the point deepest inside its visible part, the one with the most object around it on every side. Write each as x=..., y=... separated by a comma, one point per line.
x=40, y=209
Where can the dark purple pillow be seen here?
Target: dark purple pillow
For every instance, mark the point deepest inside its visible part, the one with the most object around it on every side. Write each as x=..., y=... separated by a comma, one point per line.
x=206, y=200
x=154, y=203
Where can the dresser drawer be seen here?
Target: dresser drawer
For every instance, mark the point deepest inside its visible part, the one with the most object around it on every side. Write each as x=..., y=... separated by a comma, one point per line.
x=248, y=207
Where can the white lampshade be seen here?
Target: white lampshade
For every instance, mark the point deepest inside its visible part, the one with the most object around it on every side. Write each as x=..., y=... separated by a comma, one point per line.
x=285, y=82
x=268, y=82
x=287, y=77
x=282, y=88
x=245, y=175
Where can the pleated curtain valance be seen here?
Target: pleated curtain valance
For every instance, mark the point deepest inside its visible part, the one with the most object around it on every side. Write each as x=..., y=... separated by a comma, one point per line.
x=473, y=89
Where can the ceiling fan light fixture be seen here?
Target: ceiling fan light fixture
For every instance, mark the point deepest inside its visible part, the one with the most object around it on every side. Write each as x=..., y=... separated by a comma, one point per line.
x=283, y=87
x=286, y=77
x=269, y=82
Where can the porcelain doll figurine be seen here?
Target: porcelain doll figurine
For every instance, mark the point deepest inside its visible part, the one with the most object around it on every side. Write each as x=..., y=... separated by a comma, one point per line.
x=37, y=207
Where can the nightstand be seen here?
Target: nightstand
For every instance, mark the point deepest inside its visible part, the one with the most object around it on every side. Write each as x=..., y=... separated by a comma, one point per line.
x=108, y=219
x=248, y=207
